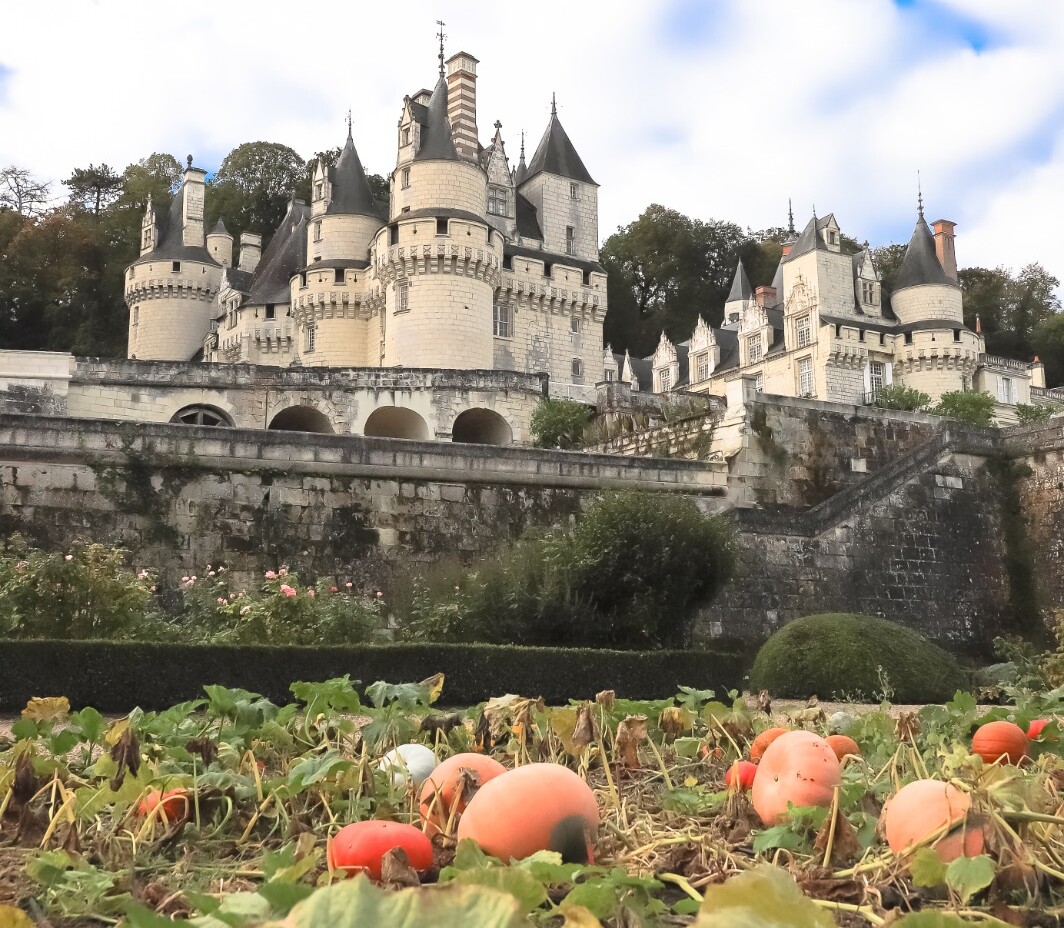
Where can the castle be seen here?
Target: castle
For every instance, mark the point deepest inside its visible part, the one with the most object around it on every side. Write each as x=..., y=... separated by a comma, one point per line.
x=471, y=265
x=822, y=330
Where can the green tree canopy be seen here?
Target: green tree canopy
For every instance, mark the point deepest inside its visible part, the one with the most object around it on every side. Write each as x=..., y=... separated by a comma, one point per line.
x=251, y=189
x=94, y=188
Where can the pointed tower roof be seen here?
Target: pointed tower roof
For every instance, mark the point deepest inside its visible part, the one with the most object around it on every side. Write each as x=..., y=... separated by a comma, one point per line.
x=436, y=141
x=740, y=288
x=351, y=195
x=556, y=153
x=219, y=228
x=920, y=265
x=522, y=169
x=810, y=239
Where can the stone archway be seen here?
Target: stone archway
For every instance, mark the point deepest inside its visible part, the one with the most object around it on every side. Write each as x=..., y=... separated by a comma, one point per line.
x=301, y=419
x=396, y=422
x=201, y=415
x=481, y=427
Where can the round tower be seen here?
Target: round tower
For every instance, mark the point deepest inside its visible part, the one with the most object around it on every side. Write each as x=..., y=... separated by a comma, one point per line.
x=935, y=352
x=171, y=286
x=438, y=261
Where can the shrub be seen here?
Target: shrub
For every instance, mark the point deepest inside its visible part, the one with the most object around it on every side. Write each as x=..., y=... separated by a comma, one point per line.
x=87, y=592
x=854, y=656
x=898, y=397
x=1039, y=412
x=560, y=424
x=628, y=576
x=974, y=408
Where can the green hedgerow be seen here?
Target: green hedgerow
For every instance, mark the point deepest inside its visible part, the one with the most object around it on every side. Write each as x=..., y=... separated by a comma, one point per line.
x=559, y=424
x=968, y=406
x=855, y=656
x=895, y=396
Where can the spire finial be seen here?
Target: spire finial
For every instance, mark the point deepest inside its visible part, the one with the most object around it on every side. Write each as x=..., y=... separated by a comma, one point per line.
x=349, y=122
x=441, y=36
x=919, y=197
x=790, y=216
x=522, y=146
x=814, y=210
x=188, y=159
x=553, y=105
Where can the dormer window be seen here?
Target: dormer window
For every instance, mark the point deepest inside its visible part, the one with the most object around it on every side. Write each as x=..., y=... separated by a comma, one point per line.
x=832, y=237
x=406, y=136
x=868, y=292
x=803, y=331
x=665, y=378
x=318, y=190
x=703, y=367
x=497, y=201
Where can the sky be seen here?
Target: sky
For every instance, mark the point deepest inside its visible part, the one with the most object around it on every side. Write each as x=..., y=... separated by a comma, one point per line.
x=721, y=109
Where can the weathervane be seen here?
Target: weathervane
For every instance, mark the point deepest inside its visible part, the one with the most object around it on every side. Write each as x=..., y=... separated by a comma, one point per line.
x=442, y=36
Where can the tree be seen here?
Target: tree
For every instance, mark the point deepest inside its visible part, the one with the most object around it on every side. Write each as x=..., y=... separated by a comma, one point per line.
x=974, y=408
x=896, y=396
x=887, y=261
x=664, y=270
x=94, y=188
x=20, y=192
x=559, y=424
x=1010, y=307
x=1048, y=343
x=251, y=190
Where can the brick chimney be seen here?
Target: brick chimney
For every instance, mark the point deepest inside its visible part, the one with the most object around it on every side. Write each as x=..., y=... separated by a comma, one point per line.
x=765, y=297
x=462, y=104
x=945, y=246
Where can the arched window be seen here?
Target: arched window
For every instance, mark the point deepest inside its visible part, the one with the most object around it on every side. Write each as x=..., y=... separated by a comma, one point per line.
x=201, y=415
x=481, y=427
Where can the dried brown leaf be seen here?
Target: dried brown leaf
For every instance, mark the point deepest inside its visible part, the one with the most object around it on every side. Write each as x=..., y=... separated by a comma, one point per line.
x=47, y=709
x=630, y=732
x=844, y=847
x=25, y=783
x=396, y=871
x=606, y=699
x=821, y=884
x=907, y=727
x=585, y=732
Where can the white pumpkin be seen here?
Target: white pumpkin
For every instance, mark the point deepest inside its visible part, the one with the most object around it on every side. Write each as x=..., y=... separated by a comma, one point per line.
x=408, y=761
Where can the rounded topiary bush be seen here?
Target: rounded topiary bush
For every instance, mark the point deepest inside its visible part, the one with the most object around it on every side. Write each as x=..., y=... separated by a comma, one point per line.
x=843, y=655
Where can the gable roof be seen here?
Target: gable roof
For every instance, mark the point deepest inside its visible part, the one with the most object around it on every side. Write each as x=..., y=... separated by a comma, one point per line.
x=810, y=239
x=556, y=154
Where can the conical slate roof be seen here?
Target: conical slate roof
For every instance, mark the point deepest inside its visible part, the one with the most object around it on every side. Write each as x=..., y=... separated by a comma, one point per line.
x=920, y=264
x=219, y=228
x=557, y=155
x=809, y=240
x=740, y=288
x=351, y=195
x=436, y=141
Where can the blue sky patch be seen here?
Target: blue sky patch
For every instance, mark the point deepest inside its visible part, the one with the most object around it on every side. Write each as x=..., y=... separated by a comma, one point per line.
x=942, y=25
x=6, y=74
x=688, y=23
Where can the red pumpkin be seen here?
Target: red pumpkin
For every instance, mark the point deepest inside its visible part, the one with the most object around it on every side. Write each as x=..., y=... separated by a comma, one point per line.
x=359, y=847
x=742, y=771
x=537, y=807
x=923, y=807
x=1034, y=730
x=800, y=768
x=761, y=742
x=842, y=745
x=441, y=790
x=173, y=804
x=1000, y=740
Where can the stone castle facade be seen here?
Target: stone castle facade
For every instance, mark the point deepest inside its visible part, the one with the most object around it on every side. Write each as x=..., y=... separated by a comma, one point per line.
x=822, y=330
x=471, y=265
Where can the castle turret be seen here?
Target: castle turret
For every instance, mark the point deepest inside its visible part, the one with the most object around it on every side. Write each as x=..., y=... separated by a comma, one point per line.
x=439, y=260
x=740, y=294
x=170, y=287
x=220, y=244
x=556, y=176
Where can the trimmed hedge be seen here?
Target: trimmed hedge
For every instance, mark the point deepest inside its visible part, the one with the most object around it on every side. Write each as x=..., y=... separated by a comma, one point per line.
x=851, y=656
x=116, y=677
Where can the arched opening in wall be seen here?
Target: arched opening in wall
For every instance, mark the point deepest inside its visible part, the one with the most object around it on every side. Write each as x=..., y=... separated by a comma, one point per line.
x=481, y=427
x=301, y=419
x=396, y=422
x=201, y=415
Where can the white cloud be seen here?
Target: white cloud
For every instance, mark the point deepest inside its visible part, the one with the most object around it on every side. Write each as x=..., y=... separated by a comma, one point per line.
x=721, y=109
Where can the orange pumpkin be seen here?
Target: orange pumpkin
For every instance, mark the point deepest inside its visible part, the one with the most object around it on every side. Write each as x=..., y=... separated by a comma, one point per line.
x=842, y=745
x=537, y=807
x=761, y=742
x=173, y=804
x=441, y=790
x=1000, y=739
x=741, y=773
x=800, y=768
x=360, y=846
x=923, y=807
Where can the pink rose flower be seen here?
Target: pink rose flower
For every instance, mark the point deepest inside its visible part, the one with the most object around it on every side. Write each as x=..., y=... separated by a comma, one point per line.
x=287, y=590
x=270, y=575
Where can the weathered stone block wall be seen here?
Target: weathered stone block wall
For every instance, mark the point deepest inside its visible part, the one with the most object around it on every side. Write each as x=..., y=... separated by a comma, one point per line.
x=181, y=497
x=930, y=553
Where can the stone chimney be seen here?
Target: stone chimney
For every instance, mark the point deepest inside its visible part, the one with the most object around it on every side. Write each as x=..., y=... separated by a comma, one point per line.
x=462, y=104
x=192, y=190
x=250, y=250
x=786, y=247
x=1038, y=373
x=945, y=246
x=765, y=297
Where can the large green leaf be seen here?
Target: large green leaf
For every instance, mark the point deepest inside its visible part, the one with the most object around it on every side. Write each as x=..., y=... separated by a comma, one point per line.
x=766, y=897
x=358, y=903
x=927, y=867
x=967, y=875
x=519, y=883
